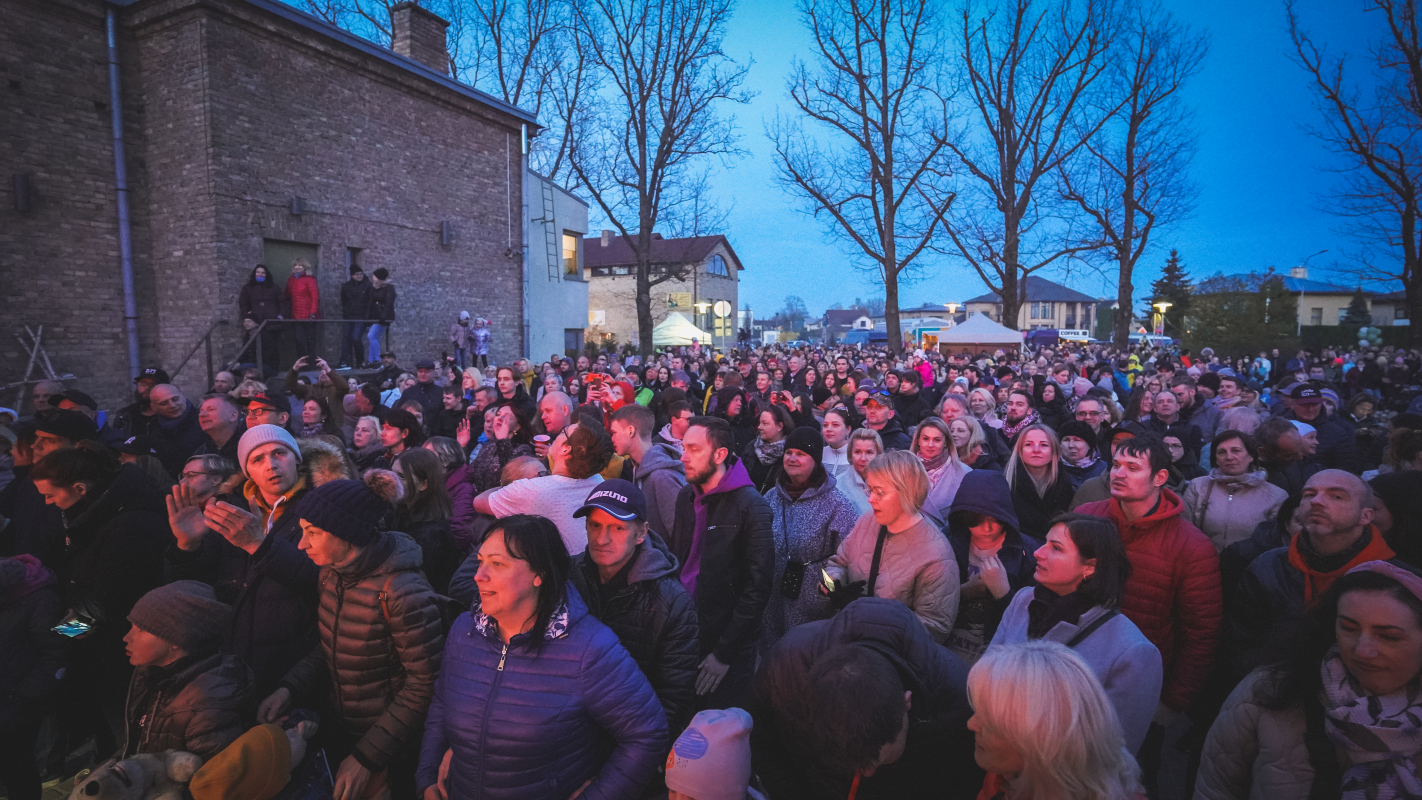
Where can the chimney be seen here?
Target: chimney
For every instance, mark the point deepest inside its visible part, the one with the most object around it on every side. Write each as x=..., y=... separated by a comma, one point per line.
x=606, y=237
x=417, y=33
x=1299, y=272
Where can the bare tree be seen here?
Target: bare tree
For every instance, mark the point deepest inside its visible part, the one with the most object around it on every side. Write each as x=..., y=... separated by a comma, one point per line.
x=1028, y=70
x=641, y=148
x=1131, y=177
x=874, y=163
x=1376, y=126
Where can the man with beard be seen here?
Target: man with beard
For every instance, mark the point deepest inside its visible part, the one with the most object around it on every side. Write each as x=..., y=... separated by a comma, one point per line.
x=140, y=418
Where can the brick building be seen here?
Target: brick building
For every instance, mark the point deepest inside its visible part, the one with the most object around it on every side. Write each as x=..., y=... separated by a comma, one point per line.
x=254, y=133
x=710, y=272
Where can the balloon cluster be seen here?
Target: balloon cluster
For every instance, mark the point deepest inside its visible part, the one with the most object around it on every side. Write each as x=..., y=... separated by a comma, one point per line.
x=1369, y=337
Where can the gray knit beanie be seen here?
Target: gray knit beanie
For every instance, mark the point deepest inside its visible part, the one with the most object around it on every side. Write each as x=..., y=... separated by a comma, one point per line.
x=185, y=614
x=258, y=435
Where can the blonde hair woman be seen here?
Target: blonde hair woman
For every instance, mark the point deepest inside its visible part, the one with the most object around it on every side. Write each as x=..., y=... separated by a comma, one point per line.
x=971, y=444
x=983, y=406
x=916, y=564
x=864, y=446
x=1045, y=729
x=1040, y=489
x=933, y=444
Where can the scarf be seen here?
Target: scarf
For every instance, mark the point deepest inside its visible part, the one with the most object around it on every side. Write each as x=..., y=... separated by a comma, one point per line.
x=1321, y=571
x=769, y=453
x=312, y=430
x=1011, y=430
x=1085, y=463
x=1382, y=735
x=935, y=463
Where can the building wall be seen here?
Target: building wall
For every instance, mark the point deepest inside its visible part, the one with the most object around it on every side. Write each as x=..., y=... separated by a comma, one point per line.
x=59, y=263
x=1329, y=305
x=615, y=296
x=557, y=302
x=236, y=111
x=1074, y=315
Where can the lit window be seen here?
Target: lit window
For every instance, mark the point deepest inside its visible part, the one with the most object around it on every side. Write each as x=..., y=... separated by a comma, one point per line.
x=571, y=242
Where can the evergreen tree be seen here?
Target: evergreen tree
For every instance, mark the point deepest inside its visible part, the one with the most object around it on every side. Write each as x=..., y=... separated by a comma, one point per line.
x=1358, y=313
x=1174, y=288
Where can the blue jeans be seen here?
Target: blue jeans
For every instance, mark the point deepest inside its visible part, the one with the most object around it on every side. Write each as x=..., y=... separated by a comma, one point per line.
x=373, y=337
x=353, y=343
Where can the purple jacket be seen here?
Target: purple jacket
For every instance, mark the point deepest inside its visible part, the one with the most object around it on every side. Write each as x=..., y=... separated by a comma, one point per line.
x=460, y=484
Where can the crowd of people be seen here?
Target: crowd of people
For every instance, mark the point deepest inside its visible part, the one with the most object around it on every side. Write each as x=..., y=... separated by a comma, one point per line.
x=1067, y=572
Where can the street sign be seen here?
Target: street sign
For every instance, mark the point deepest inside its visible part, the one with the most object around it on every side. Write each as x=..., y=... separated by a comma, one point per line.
x=722, y=308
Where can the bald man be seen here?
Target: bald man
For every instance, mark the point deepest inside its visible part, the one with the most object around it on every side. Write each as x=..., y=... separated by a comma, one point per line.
x=1338, y=534
x=45, y=398
x=179, y=431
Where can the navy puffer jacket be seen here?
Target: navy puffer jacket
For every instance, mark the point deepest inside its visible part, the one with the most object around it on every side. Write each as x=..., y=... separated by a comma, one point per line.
x=538, y=724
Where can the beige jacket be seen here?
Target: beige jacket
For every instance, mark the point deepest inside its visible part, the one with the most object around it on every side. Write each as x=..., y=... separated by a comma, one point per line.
x=1228, y=509
x=917, y=568
x=1253, y=753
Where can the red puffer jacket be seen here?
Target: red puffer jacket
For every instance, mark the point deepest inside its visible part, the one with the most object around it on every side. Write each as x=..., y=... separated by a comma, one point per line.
x=304, y=297
x=1173, y=595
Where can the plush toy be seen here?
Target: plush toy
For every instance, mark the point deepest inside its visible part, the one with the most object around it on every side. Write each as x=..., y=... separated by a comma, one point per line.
x=254, y=767
x=146, y=776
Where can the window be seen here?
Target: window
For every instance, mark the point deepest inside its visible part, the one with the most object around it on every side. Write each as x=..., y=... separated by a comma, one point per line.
x=1315, y=317
x=716, y=265
x=1399, y=311
x=1043, y=310
x=1342, y=312
x=571, y=243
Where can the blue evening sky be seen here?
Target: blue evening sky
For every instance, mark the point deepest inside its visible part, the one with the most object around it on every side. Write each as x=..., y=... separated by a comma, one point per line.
x=1258, y=170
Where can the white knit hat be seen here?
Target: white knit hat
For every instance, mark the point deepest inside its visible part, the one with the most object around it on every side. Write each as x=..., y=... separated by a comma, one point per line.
x=260, y=435
x=711, y=760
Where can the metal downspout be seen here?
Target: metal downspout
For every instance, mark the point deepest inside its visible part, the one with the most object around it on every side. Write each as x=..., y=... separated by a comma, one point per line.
x=523, y=259
x=130, y=300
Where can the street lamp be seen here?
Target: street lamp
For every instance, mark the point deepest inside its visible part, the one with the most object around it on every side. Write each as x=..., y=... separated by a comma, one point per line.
x=1160, y=306
x=1298, y=330
x=952, y=314
x=701, y=308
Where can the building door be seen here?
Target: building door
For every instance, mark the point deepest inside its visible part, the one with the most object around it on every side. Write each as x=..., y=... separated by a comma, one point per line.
x=278, y=256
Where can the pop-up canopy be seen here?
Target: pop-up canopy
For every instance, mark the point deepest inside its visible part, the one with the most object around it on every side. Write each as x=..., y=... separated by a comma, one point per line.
x=677, y=331
x=977, y=333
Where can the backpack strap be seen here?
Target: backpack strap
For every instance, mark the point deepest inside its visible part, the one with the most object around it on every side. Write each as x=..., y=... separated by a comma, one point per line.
x=874, y=565
x=1090, y=629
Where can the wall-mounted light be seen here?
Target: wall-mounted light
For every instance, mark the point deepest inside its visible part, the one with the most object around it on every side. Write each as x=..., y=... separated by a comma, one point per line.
x=446, y=233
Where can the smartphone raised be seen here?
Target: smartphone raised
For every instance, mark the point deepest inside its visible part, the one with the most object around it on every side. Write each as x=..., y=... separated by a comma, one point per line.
x=827, y=580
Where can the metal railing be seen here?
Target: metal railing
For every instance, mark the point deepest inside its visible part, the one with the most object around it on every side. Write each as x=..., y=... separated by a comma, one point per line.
x=254, y=341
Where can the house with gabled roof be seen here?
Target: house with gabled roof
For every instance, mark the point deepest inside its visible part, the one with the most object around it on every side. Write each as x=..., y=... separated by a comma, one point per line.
x=1049, y=305
x=704, y=270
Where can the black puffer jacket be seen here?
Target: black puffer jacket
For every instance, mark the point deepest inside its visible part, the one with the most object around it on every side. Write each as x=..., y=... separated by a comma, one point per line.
x=378, y=674
x=654, y=618
x=272, y=593
x=737, y=561
x=260, y=302
x=439, y=555
x=113, y=555
x=199, y=705
x=938, y=757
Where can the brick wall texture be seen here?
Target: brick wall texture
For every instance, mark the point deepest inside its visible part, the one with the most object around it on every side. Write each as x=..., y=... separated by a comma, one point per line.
x=229, y=112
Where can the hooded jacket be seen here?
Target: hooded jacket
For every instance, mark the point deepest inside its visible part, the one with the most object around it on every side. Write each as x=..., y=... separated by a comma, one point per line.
x=660, y=476
x=536, y=724
x=34, y=654
x=378, y=671
x=272, y=591
x=654, y=618
x=937, y=761
x=1173, y=594
x=726, y=548
x=113, y=547
x=1229, y=508
x=979, y=613
x=808, y=531
x=916, y=568
x=199, y=704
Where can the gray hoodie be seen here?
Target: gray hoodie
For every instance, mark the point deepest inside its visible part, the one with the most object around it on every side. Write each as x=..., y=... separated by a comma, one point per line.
x=660, y=476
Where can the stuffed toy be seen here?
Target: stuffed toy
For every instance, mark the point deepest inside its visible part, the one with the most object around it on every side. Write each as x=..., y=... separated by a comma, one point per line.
x=254, y=767
x=146, y=776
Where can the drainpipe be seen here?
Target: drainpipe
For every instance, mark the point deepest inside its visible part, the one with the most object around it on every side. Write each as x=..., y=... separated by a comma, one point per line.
x=523, y=260
x=130, y=300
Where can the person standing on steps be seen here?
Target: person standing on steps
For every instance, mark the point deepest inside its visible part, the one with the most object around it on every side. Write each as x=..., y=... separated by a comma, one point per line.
x=382, y=308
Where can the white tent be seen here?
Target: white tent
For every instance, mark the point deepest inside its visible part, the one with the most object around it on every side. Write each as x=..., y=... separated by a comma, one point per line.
x=976, y=333
x=677, y=331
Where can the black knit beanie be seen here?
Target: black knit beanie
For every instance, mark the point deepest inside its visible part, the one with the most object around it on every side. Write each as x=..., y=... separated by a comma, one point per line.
x=809, y=441
x=352, y=510
x=186, y=614
x=1078, y=429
